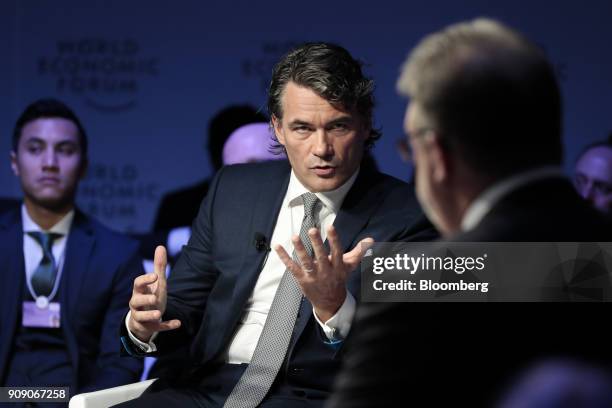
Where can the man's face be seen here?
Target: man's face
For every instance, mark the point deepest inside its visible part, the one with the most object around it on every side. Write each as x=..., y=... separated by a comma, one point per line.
x=49, y=162
x=594, y=178
x=324, y=145
x=428, y=191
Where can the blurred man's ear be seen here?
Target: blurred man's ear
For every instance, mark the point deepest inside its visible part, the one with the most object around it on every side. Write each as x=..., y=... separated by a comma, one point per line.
x=14, y=165
x=278, y=129
x=439, y=157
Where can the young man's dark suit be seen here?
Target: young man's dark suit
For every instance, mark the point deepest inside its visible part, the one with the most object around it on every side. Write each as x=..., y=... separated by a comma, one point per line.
x=218, y=269
x=96, y=283
x=465, y=354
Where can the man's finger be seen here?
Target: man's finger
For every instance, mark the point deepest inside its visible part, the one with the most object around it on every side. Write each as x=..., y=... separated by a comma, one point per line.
x=160, y=260
x=352, y=258
x=146, y=316
x=306, y=263
x=320, y=253
x=142, y=282
x=143, y=302
x=335, y=246
x=290, y=264
x=169, y=325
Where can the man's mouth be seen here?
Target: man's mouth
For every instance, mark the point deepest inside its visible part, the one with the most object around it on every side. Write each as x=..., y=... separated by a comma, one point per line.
x=324, y=171
x=49, y=180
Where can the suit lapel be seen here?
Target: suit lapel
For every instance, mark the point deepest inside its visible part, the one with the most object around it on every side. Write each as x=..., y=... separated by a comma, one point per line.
x=76, y=265
x=270, y=195
x=358, y=206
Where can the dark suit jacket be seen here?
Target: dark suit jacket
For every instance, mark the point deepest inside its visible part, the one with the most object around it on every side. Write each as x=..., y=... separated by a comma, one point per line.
x=218, y=269
x=465, y=354
x=96, y=284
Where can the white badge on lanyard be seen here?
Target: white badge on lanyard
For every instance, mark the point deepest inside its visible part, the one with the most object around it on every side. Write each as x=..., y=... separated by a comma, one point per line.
x=36, y=316
x=42, y=302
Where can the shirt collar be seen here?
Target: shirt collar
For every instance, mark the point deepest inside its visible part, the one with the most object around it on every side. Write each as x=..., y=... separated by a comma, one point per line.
x=492, y=195
x=331, y=199
x=62, y=227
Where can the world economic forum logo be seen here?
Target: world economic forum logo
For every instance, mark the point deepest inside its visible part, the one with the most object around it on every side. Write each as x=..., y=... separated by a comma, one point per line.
x=107, y=73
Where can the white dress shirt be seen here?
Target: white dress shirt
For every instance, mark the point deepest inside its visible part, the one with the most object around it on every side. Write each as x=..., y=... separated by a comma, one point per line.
x=481, y=206
x=33, y=252
x=288, y=224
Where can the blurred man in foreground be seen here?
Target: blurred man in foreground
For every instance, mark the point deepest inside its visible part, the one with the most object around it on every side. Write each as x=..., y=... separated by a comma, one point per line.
x=484, y=125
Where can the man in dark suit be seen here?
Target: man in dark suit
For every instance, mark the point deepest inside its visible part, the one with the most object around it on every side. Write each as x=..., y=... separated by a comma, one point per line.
x=484, y=125
x=263, y=328
x=66, y=278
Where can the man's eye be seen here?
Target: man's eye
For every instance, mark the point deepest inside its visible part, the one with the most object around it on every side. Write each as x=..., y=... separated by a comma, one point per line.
x=67, y=150
x=301, y=129
x=339, y=127
x=602, y=188
x=34, y=149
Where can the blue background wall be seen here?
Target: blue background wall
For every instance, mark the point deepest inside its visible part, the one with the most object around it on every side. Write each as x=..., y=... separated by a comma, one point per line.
x=190, y=58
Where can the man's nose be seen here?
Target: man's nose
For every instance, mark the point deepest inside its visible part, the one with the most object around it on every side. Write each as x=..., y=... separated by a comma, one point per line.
x=50, y=160
x=587, y=192
x=323, y=146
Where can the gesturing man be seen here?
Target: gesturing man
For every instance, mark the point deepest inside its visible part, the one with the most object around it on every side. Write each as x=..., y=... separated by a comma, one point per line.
x=266, y=327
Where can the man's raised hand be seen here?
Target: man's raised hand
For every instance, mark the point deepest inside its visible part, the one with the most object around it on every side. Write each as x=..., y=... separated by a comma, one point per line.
x=148, y=302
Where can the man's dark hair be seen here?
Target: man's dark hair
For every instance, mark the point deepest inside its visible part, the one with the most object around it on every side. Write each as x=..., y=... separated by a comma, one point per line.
x=330, y=72
x=490, y=93
x=49, y=108
x=223, y=124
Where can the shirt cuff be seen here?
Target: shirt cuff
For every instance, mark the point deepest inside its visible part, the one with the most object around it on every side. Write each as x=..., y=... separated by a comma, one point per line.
x=144, y=347
x=337, y=327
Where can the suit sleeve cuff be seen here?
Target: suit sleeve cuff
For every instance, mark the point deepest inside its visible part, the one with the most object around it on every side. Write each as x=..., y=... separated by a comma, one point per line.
x=337, y=327
x=142, y=346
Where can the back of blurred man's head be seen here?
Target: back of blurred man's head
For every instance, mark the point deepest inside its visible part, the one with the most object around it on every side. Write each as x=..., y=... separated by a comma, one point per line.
x=490, y=94
x=484, y=105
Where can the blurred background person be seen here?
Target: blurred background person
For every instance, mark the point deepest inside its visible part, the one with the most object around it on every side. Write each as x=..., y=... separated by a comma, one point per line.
x=593, y=175
x=560, y=384
x=250, y=144
x=66, y=278
x=179, y=208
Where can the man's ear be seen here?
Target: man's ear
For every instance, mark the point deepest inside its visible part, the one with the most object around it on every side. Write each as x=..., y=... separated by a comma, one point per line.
x=14, y=163
x=278, y=130
x=440, y=160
